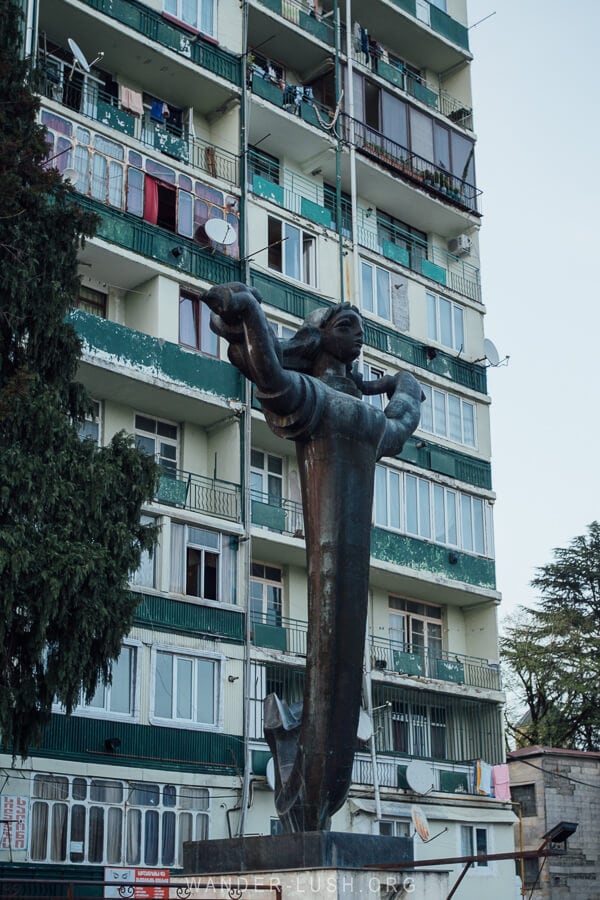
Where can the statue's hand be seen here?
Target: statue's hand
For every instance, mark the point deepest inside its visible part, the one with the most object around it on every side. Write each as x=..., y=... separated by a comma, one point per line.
x=405, y=401
x=231, y=301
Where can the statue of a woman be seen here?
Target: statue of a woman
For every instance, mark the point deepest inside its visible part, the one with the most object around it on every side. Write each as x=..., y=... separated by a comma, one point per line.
x=309, y=394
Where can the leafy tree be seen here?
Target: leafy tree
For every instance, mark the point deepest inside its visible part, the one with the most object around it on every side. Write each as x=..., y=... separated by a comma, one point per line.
x=551, y=653
x=70, y=527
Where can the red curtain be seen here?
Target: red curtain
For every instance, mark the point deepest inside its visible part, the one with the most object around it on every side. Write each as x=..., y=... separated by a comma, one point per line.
x=150, y=199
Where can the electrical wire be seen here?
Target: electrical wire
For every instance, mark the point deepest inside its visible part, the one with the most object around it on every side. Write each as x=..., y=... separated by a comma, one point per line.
x=559, y=774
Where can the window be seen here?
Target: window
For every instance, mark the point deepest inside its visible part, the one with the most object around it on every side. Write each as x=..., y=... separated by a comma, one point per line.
x=448, y=416
x=145, y=574
x=92, y=301
x=473, y=842
x=376, y=290
x=158, y=439
x=89, y=429
x=418, y=729
x=417, y=627
x=445, y=322
x=264, y=165
x=266, y=477
x=402, y=235
x=525, y=795
x=372, y=373
x=114, y=822
x=199, y=14
x=118, y=696
x=186, y=689
x=194, y=325
x=394, y=827
x=292, y=251
x=203, y=563
x=265, y=594
x=425, y=509
x=330, y=204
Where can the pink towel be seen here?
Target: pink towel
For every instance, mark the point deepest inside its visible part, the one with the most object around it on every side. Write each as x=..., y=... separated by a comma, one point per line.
x=501, y=782
x=131, y=100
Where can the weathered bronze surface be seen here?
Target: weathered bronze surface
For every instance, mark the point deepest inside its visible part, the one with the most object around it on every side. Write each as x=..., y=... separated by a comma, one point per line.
x=309, y=394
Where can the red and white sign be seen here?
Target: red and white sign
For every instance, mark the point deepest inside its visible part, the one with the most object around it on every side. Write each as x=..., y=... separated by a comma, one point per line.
x=130, y=884
x=13, y=819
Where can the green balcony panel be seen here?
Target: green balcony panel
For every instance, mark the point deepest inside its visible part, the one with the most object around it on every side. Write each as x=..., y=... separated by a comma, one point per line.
x=393, y=74
x=309, y=114
x=132, y=233
x=262, y=187
x=433, y=271
x=272, y=636
x=442, y=462
x=162, y=358
x=179, y=617
x=409, y=6
x=172, y=490
x=81, y=739
x=273, y=5
x=67, y=880
x=115, y=118
x=266, y=89
x=449, y=27
x=260, y=759
x=450, y=670
x=396, y=252
x=318, y=29
x=424, y=94
x=315, y=212
x=268, y=516
x=424, y=557
x=171, y=144
x=454, y=782
x=408, y=663
x=401, y=781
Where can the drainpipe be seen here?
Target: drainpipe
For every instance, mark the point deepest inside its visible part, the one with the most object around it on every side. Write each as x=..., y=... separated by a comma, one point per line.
x=338, y=149
x=353, y=190
x=369, y=698
x=246, y=437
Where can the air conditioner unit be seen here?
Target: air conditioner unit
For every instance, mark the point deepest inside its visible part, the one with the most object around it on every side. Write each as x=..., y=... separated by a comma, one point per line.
x=460, y=245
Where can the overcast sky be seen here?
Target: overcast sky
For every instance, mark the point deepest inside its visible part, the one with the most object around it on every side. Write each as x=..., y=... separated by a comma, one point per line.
x=536, y=100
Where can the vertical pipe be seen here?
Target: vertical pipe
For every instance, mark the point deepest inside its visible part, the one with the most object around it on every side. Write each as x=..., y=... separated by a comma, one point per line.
x=353, y=189
x=338, y=149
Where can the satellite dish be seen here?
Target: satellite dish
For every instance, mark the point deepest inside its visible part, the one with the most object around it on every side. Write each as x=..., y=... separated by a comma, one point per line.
x=365, y=726
x=419, y=776
x=78, y=55
x=270, y=773
x=492, y=355
x=220, y=231
x=71, y=175
x=420, y=822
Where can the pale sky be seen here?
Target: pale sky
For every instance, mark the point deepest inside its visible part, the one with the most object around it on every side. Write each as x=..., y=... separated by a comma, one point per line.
x=536, y=105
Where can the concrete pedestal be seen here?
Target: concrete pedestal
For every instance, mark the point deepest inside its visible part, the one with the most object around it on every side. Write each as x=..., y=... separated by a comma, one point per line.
x=305, y=866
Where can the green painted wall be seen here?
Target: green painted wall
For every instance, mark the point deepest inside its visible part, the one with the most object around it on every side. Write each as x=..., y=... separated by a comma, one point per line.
x=190, y=618
x=421, y=556
x=164, y=359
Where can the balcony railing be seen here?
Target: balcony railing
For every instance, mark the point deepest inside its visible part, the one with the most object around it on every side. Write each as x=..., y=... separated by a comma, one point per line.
x=438, y=21
x=440, y=665
x=187, y=490
x=152, y=25
x=299, y=14
x=403, y=162
x=391, y=773
x=386, y=655
x=93, y=103
x=277, y=514
x=294, y=99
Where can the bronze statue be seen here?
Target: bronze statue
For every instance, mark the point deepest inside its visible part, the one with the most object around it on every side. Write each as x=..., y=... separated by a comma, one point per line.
x=311, y=395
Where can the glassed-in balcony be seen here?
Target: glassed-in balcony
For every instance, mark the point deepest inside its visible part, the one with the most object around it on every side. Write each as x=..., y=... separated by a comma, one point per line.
x=199, y=493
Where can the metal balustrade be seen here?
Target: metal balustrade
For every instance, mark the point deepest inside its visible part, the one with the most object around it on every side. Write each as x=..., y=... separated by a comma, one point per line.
x=199, y=493
x=391, y=773
x=277, y=514
x=439, y=665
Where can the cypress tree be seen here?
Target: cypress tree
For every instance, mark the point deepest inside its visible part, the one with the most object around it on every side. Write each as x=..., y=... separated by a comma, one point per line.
x=70, y=529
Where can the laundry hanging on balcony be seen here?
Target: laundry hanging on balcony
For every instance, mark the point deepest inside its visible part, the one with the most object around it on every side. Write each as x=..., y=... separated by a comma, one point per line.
x=131, y=100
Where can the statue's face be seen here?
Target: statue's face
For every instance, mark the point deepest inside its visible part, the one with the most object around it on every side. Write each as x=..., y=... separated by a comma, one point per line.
x=343, y=336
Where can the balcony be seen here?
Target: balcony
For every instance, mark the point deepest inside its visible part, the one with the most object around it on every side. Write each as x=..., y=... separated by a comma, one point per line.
x=152, y=242
x=393, y=656
x=129, y=366
x=300, y=303
x=277, y=514
x=93, y=103
x=201, y=494
x=391, y=773
x=166, y=614
x=289, y=636
x=405, y=164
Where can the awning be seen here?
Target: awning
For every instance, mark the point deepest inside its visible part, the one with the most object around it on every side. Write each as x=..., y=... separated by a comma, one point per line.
x=478, y=814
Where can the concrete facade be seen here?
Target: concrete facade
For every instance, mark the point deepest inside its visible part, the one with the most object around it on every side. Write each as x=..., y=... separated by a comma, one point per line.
x=550, y=786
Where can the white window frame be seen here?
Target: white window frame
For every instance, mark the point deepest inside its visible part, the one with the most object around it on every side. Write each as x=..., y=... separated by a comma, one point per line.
x=373, y=301
x=184, y=653
x=103, y=712
x=306, y=259
x=433, y=500
x=393, y=827
x=372, y=373
x=169, y=464
x=436, y=416
x=93, y=422
x=270, y=614
x=468, y=846
x=202, y=5
x=450, y=334
x=124, y=808
x=148, y=560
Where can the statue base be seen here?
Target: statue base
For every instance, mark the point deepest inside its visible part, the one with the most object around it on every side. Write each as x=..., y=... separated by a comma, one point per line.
x=326, y=865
